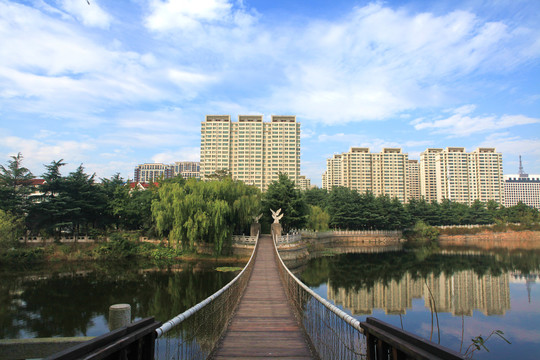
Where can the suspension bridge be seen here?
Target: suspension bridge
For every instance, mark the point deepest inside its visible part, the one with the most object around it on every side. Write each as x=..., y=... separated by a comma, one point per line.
x=264, y=312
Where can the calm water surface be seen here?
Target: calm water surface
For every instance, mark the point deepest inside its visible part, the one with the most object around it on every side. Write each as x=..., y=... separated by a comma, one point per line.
x=73, y=300
x=473, y=293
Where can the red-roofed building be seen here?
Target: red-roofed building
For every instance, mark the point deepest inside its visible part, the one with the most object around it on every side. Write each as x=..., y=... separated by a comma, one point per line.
x=140, y=185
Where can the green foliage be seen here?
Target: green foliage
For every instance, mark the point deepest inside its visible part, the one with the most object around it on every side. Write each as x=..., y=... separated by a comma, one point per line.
x=22, y=255
x=71, y=204
x=204, y=212
x=316, y=197
x=422, y=234
x=14, y=186
x=11, y=227
x=318, y=219
x=283, y=194
x=131, y=209
x=119, y=246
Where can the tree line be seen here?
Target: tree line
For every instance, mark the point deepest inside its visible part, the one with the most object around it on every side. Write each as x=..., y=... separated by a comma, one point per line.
x=348, y=209
x=190, y=212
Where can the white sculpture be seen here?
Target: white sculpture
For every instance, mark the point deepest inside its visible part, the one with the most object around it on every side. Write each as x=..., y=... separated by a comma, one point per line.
x=257, y=218
x=276, y=216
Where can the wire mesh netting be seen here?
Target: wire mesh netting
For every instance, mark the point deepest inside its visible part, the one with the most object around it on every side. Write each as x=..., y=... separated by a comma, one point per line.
x=333, y=333
x=195, y=333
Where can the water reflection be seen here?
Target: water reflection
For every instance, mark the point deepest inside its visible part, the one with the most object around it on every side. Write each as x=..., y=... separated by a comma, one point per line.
x=474, y=293
x=74, y=301
x=459, y=294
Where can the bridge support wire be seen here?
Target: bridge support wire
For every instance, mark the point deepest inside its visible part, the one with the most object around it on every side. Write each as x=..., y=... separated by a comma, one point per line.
x=195, y=333
x=333, y=333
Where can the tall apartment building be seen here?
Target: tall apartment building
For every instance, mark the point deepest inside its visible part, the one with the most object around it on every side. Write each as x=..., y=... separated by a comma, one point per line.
x=334, y=171
x=413, y=179
x=360, y=170
x=151, y=172
x=465, y=177
x=251, y=150
x=428, y=177
x=522, y=187
x=304, y=183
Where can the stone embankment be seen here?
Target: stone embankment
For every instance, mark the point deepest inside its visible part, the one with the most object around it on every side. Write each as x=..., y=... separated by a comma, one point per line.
x=486, y=240
x=313, y=243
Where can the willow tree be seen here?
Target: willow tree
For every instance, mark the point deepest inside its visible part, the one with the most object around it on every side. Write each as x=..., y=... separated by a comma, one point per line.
x=204, y=212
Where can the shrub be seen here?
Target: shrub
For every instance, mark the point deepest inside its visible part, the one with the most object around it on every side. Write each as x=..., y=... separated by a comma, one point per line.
x=422, y=234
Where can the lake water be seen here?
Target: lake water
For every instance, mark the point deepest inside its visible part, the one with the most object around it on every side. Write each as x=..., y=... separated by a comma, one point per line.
x=73, y=300
x=469, y=293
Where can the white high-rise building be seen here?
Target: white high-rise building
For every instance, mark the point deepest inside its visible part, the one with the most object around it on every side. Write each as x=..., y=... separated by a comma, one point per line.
x=413, y=179
x=465, y=177
x=381, y=173
x=251, y=150
x=428, y=177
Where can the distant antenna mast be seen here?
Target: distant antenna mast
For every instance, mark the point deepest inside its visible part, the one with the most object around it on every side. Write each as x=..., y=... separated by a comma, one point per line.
x=522, y=173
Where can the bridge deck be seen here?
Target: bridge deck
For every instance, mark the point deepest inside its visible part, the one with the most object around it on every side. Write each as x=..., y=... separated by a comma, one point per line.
x=264, y=325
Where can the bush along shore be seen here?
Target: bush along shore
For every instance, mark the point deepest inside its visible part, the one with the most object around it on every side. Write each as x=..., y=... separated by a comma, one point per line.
x=120, y=246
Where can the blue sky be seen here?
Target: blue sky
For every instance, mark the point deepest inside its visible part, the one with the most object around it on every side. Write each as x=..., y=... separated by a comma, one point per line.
x=117, y=83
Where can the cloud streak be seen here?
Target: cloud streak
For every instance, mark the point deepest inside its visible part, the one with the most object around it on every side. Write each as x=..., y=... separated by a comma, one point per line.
x=463, y=123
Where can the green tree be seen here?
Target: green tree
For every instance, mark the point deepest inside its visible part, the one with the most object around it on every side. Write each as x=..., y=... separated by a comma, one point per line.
x=15, y=186
x=73, y=203
x=204, y=212
x=132, y=208
x=283, y=194
x=479, y=214
x=11, y=227
x=318, y=219
x=344, y=208
x=316, y=197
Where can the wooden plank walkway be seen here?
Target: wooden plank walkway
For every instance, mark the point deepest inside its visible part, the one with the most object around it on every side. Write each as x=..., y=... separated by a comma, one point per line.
x=264, y=325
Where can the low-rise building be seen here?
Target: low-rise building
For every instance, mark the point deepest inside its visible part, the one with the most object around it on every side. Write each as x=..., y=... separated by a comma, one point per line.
x=150, y=172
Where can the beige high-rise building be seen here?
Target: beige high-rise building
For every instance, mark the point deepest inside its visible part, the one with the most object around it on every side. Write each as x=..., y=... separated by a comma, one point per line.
x=304, y=183
x=465, y=177
x=428, y=177
x=334, y=171
x=360, y=170
x=251, y=150
x=413, y=179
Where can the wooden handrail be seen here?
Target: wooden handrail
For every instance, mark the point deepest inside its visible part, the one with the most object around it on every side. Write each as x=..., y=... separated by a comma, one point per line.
x=120, y=341
x=385, y=341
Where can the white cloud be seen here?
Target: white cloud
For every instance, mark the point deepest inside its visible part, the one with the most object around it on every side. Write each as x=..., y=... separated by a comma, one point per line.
x=375, y=144
x=186, y=14
x=36, y=153
x=182, y=154
x=89, y=14
x=513, y=145
x=463, y=123
x=378, y=62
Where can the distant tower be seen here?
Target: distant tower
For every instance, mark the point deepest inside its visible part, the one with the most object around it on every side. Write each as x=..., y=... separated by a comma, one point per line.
x=522, y=173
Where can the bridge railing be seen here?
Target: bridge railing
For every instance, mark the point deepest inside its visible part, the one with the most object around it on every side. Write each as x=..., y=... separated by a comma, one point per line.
x=244, y=239
x=195, y=333
x=333, y=333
